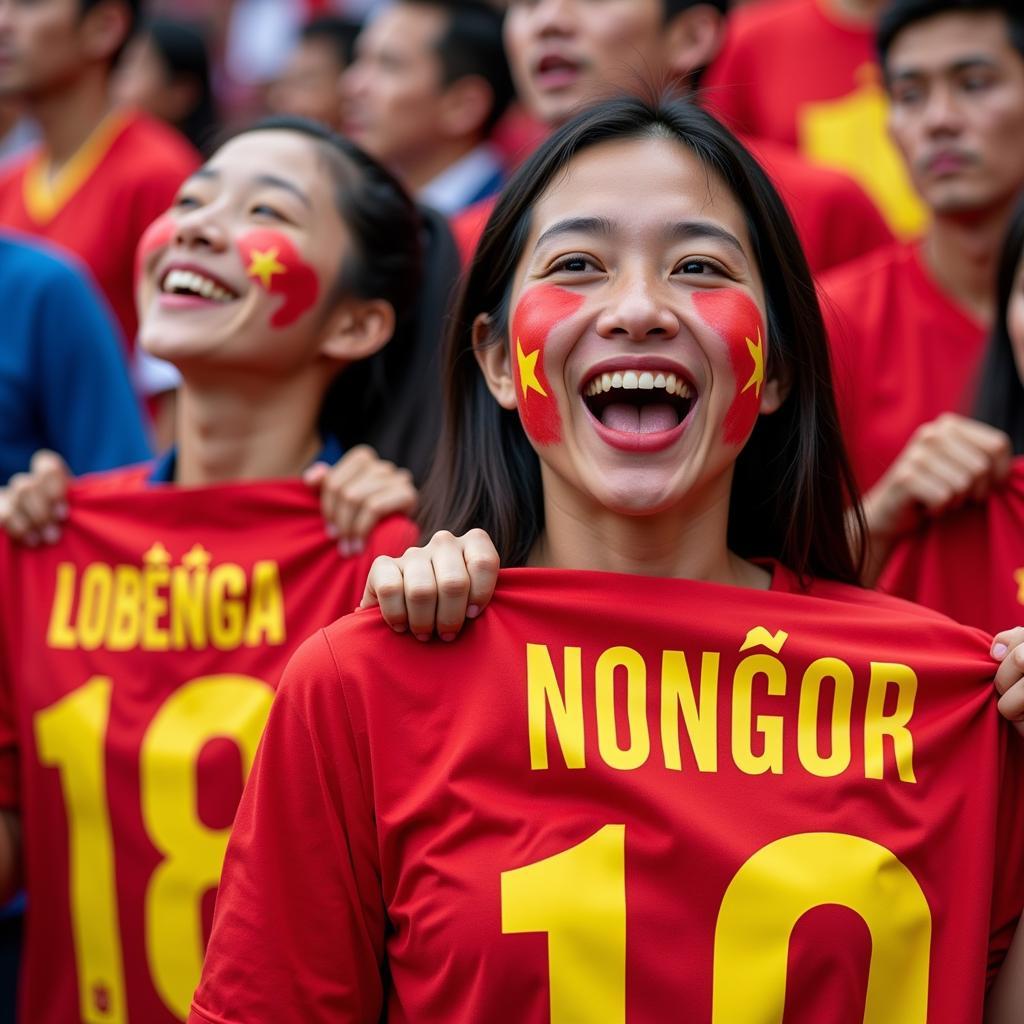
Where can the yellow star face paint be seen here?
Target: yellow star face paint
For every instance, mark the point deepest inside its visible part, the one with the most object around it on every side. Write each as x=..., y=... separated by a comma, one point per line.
x=270, y=257
x=539, y=310
x=735, y=318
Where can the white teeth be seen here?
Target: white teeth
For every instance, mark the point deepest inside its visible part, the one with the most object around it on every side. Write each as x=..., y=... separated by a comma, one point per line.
x=644, y=380
x=197, y=284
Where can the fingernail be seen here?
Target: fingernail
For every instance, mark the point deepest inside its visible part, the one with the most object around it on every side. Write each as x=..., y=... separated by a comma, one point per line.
x=423, y=637
x=345, y=548
x=51, y=533
x=32, y=539
x=331, y=530
x=998, y=650
x=447, y=637
x=358, y=546
x=400, y=628
x=60, y=510
x=473, y=611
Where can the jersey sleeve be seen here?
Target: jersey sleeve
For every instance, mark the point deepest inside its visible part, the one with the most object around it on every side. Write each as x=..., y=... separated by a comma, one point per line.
x=89, y=410
x=298, y=932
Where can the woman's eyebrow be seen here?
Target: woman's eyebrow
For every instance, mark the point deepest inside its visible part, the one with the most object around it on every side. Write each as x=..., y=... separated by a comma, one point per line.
x=577, y=226
x=273, y=181
x=689, y=230
x=268, y=180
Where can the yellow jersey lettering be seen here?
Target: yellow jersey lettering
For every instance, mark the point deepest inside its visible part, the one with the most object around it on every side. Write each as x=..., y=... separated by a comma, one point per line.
x=59, y=633
x=563, y=704
x=878, y=725
x=811, y=757
x=700, y=719
x=639, y=748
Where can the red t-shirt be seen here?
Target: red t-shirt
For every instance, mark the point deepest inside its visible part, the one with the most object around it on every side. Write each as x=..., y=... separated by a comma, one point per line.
x=834, y=218
x=903, y=353
x=123, y=177
x=796, y=72
x=138, y=659
x=968, y=564
x=613, y=799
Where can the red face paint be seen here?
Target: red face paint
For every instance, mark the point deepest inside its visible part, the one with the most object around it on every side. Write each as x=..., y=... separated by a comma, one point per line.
x=539, y=310
x=737, y=321
x=272, y=260
x=157, y=236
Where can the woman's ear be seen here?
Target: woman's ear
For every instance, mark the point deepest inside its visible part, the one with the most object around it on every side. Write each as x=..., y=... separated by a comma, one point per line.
x=492, y=357
x=774, y=393
x=693, y=38
x=357, y=329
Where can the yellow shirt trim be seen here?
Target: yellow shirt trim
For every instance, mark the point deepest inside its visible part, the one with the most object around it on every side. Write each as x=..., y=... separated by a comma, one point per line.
x=46, y=194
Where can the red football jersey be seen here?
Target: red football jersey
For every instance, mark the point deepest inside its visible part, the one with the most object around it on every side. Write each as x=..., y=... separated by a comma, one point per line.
x=796, y=72
x=139, y=656
x=627, y=799
x=102, y=200
x=903, y=353
x=968, y=564
x=833, y=216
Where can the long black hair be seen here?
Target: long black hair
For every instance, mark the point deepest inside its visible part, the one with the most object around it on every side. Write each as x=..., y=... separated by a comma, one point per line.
x=406, y=257
x=1000, y=399
x=792, y=482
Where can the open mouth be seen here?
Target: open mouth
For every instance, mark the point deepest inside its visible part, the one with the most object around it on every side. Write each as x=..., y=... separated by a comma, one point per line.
x=555, y=70
x=639, y=402
x=179, y=281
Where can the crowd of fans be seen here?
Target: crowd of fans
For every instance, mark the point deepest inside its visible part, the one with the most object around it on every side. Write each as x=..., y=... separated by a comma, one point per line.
x=286, y=274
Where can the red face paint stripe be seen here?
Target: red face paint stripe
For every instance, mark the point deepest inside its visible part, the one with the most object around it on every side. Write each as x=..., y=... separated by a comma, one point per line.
x=157, y=236
x=539, y=310
x=735, y=318
x=271, y=259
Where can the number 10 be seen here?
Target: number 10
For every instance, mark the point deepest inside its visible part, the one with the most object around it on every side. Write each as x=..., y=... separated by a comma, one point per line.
x=579, y=898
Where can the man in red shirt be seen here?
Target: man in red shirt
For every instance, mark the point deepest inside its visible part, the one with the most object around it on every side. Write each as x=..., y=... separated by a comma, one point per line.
x=803, y=73
x=101, y=175
x=908, y=323
x=565, y=54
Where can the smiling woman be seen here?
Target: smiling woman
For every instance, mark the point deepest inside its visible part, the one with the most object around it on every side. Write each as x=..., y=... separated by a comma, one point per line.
x=681, y=768
x=702, y=286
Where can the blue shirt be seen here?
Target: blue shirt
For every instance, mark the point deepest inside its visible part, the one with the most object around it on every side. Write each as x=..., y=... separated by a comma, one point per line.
x=63, y=379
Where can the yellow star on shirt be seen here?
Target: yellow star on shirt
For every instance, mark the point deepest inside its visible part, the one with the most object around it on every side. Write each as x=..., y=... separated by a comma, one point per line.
x=528, y=371
x=265, y=265
x=757, y=354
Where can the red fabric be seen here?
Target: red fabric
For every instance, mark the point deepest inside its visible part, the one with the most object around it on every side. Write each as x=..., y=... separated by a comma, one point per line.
x=968, y=564
x=397, y=782
x=468, y=227
x=764, y=43
x=833, y=108
x=834, y=218
x=903, y=353
x=102, y=220
x=157, y=897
